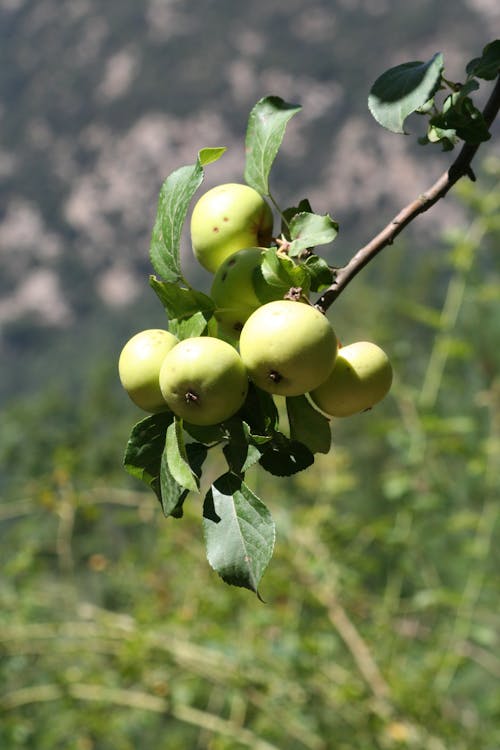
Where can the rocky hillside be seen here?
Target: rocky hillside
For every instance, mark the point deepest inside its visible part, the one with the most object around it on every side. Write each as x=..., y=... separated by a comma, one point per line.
x=100, y=101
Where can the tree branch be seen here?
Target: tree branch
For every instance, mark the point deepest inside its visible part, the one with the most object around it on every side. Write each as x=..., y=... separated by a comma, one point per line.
x=460, y=168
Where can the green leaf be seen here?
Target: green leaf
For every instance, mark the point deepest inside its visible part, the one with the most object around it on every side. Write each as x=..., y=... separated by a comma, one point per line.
x=173, y=201
x=320, y=273
x=206, y=434
x=196, y=325
x=188, y=309
x=283, y=457
x=459, y=117
x=239, y=450
x=288, y=214
x=309, y=230
x=402, y=90
x=488, y=65
x=276, y=275
x=177, y=458
x=239, y=532
x=145, y=448
x=265, y=131
x=172, y=493
x=307, y=425
x=260, y=413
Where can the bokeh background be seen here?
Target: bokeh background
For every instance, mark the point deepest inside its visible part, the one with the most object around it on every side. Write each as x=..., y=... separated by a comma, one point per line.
x=381, y=625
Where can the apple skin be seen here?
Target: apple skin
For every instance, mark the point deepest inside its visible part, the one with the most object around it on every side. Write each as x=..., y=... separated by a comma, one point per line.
x=361, y=377
x=203, y=380
x=139, y=367
x=288, y=347
x=233, y=291
x=228, y=218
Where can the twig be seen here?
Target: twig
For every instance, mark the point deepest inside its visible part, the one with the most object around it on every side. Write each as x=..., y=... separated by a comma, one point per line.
x=460, y=168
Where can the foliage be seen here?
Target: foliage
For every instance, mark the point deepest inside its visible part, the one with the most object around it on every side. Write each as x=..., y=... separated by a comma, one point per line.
x=163, y=451
x=381, y=623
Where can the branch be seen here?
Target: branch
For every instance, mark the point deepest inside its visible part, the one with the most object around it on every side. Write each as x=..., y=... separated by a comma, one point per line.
x=460, y=167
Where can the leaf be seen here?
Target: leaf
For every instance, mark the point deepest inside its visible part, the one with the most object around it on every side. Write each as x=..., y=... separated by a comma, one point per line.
x=173, y=201
x=206, y=434
x=307, y=425
x=276, y=275
x=459, y=119
x=172, y=493
x=145, y=447
x=239, y=451
x=402, y=90
x=177, y=458
x=260, y=413
x=488, y=65
x=239, y=532
x=284, y=457
x=320, y=273
x=309, y=230
x=266, y=128
x=188, y=309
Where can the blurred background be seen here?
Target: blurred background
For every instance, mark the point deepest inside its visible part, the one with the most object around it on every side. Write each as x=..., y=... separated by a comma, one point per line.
x=381, y=623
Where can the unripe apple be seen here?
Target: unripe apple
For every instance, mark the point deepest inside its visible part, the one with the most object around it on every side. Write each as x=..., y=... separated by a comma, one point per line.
x=227, y=218
x=288, y=347
x=361, y=377
x=233, y=290
x=139, y=367
x=203, y=380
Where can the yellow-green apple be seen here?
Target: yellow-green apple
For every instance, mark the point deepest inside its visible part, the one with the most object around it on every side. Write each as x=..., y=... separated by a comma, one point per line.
x=228, y=218
x=139, y=367
x=233, y=290
x=361, y=377
x=288, y=347
x=203, y=380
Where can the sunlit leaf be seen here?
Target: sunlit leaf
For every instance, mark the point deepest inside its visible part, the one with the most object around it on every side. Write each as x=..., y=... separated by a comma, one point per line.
x=173, y=202
x=404, y=89
x=239, y=532
x=265, y=131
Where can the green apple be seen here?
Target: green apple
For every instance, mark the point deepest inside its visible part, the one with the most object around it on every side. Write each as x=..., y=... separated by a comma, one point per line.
x=203, y=380
x=288, y=347
x=139, y=367
x=233, y=290
x=227, y=218
x=361, y=377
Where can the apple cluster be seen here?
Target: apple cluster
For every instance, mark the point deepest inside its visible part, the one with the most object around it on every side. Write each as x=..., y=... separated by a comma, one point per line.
x=285, y=346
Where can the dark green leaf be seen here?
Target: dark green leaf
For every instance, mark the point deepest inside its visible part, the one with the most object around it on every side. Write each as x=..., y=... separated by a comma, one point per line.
x=461, y=117
x=265, y=131
x=173, y=201
x=206, y=434
x=259, y=412
x=239, y=532
x=177, y=458
x=402, y=90
x=284, y=457
x=309, y=230
x=307, y=425
x=145, y=447
x=239, y=451
x=488, y=65
x=172, y=493
x=320, y=273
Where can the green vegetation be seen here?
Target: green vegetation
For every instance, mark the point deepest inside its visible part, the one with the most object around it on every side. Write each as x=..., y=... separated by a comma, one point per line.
x=380, y=627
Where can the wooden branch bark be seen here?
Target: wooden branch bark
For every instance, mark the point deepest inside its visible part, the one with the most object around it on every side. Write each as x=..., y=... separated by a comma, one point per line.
x=460, y=168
